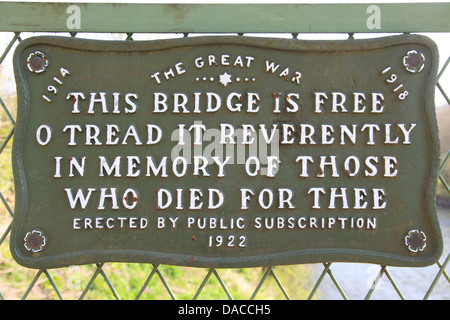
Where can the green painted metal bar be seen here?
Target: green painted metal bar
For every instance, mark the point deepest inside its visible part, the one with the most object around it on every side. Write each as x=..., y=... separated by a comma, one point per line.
x=5, y=203
x=394, y=285
x=49, y=278
x=443, y=69
x=9, y=46
x=273, y=17
x=8, y=113
x=280, y=285
x=202, y=285
x=441, y=177
x=7, y=139
x=98, y=271
x=144, y=286
x=319, y=281
x=375, y=283
x=222, y=284
x=258, y=287
x=52, y=282
x=444, y=163
x=165, y=284
x=444, y=272
x=89, y=285
x=5, y=234
x=444, y=94
x=110, y=285
x=338, y=286
x=33, y=282
x=439, y=274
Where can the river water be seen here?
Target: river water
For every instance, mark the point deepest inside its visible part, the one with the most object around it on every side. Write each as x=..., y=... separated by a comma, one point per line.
x=356, y=279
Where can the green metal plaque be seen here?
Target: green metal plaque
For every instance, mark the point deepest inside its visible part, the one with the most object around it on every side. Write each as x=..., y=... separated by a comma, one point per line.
x=226, y=152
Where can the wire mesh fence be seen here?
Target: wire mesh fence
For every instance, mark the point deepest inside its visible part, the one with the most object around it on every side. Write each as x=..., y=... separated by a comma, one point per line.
x=151, y=281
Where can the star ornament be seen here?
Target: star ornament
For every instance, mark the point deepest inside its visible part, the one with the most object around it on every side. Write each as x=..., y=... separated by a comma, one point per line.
x=225, y=79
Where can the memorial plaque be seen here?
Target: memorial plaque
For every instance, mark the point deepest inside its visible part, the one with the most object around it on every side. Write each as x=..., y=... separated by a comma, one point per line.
x=226, y=152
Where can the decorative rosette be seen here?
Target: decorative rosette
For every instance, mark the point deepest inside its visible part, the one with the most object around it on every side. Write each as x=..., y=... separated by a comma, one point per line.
x=416, y=241
x=35, y=241
x=37, y=62
x=414, y=61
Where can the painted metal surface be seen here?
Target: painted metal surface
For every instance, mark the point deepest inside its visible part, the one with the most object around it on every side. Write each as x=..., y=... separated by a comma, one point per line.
x=268, y=18
x=124, y=151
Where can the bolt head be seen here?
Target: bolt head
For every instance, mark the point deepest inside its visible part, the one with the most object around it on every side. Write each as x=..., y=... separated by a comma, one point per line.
x=414, y=61
x=37, y=62
x=415, y=241
x=35, y=241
